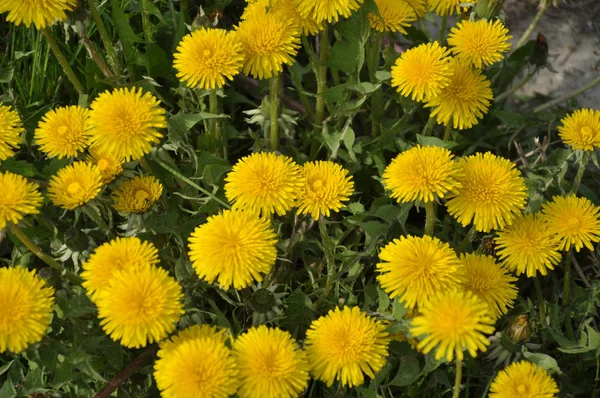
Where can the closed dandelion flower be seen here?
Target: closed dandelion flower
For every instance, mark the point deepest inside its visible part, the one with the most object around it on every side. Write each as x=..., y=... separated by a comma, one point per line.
x=493, y=192
x=396, y=15
x=482, y=276
x=574, y=220
x=465, y=100
x=137, y=195
x=25, y=308
x=452, y=322
x=11, y=129
x=481, y=43
x=63, y=132
x=422, y=173
x=414, y=269
x=264, y=183
x=528, y=246
x=422, y=72
x=268, y=41
x=201, y=367
x=109, y=165
x=194, y=332
x=116, y=255
x=325, y=186
x=581, y=129
x=139, y=306
x=345, y=345
x=270, y=363
x=205, y=58
x=420, y=7
x=75, y=185
x=327, y=10
x=523, y=379
x=125, y=122
x=446, y=7
x=234, y=248
x=40, y=13
x=18, y=197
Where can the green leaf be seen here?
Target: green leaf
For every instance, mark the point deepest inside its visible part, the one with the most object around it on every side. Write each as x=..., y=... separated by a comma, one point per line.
x=434, y=141
x=8, y=389
x=6, y=74
x=5, y=367
x=544, y=361
x=408, y=371
x=20, y=167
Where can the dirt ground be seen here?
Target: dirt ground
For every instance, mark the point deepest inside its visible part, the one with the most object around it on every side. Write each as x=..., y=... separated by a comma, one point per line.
x=573, y=34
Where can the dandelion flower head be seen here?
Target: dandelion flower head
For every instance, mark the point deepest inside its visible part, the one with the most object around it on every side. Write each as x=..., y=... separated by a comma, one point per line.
x=581, y=129
x=452, y=322
x=523, y=379
x=18, y=198
x=396, y=15
x=25, y=308
x=109, y=165
x=75, y=185
x=40, y=13
x=288, y=10
x=415, y=268
x=137, y=195
x=194, y=332
x=234, y=248
x=63, y=132
x=125, y=122
x=11, y=128
x=420, y=7
x=325, y=186
x=327, y=10
x=493, y=192
x=574, y=220
x=528, y=246
x=345, y=345
x=446, y=7
x=481, y=43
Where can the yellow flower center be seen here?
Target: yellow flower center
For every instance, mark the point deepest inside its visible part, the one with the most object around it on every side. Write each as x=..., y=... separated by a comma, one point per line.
x=349, y=349
x=206, y=53
x=62, y=130
x=573, y=223
x=489, y=194
x=521, y=389
x=102, y=164
x=141, y=195
x=317, y=185
x=74, y=188
x=586, y=133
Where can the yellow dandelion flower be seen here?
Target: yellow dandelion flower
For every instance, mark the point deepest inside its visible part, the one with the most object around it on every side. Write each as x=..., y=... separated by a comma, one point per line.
x=137, y=195
x=194, y=332
x=486, y=279
x=201, y=367
x=581, y=129
x=493, y=192
x=116, y=255
x=325, y=186
x=523, y=379
x=327, y=10
x=25, y=308
x=420, y=7
x=414, y=269
x=528, y=246
x=307, y=23
x=11, y=129
x=206, y=57
x=481, y=43
x=40, y=13
x=109, y=165
x=422, y=173
x=124, y=122
x=270, y=363
x=422, y=72
x=395, y=16
x=452, y=322
x=465, y=100
x=574, y=220
x=446, y=7
x=139, y=306
x=75, y=185
x=269, y=42
x=264, y=183
x=345, y=345
x=234, y=248
x=18, y=198
x=63, y=132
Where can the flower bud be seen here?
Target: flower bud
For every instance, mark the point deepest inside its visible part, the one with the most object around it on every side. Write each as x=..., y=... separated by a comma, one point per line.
x=488, y=9
x=519, y=328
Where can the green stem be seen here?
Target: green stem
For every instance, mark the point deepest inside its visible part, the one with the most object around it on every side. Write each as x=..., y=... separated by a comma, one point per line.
x=510, y=92
x=530, y=29
x=322, y=76
x=540, y=299
x=145, y=165
x=104, y=36
x=329, y=258
x=215, y=124
x=465, y=244
x=145, y=22
x=191, y=183
x=447, y=132
x=430, y=217
x=443, y=29
x=567, y=97
x=274, y=110
x=373, y=55
x=87, y=43
x=62, y=60
x=35, y=249
x=428, y=128
x=297, y=82
x=582, y=165
x=456, y=392
x=567, y=296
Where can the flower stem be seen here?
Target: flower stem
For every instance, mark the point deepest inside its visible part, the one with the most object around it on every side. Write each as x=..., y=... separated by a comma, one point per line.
x=145, y=21
x=428, y=128
x=297, y=82
x=566, y=296
x=447, y=132
x=87, y=43
x=430, y=216
x=373, y=55
x=582, y=165
x=106, y=41
x=465, y=244
x=567, y=97
x=579, y=270
x=329, y=258
x=544, y=6
x=443, y=29
x=35, y=249
x=215, y=124
x=273, y=105
x=540, y=299
x=322, y=76
x=456, y=392
x=511, y=91
x=62, y=60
